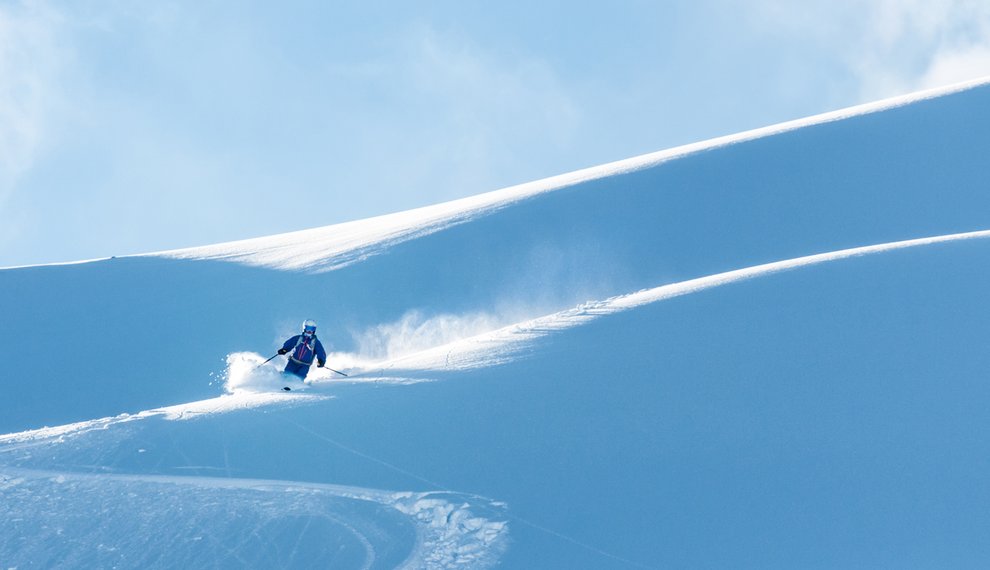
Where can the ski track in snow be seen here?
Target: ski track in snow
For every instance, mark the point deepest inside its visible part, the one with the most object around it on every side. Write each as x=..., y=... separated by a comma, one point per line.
x=187, y=521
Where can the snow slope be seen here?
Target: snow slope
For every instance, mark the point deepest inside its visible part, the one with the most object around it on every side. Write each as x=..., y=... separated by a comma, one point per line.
x=761, y=351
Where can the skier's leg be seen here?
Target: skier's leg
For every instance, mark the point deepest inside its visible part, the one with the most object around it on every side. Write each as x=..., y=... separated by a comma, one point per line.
x=296, y=369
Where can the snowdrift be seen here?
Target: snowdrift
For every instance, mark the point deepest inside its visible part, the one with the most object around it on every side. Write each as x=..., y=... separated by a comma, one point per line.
x=771, y=339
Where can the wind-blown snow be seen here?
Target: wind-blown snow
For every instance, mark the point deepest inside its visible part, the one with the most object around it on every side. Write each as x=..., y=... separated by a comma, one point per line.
x=507, y=343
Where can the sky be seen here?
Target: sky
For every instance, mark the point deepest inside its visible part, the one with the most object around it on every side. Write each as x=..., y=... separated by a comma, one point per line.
x=136, y=128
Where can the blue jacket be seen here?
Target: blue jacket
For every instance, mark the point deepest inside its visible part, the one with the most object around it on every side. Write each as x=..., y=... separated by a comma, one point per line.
x=303, y=351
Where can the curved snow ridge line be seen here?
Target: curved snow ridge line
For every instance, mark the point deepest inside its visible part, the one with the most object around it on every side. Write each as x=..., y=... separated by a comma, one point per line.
x=222, y=404
x=451, y=530
x=332, y=247
x=702, y=283
x=507, y=343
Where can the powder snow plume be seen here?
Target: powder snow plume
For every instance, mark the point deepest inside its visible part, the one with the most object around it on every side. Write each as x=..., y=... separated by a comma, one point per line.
x=246, y=374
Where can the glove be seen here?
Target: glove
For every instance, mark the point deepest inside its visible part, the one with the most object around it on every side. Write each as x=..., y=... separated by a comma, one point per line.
x=320, y=363
x=282, y=351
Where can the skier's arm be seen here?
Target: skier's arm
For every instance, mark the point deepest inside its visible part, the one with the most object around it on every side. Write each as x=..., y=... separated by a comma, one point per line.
x=321, y=354
x=289, y=344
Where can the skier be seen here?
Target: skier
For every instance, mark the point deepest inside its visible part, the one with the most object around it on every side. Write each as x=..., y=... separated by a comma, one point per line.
x=303, y=348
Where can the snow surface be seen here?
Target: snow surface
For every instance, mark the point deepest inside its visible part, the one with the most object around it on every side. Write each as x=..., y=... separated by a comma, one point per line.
x=764, y=351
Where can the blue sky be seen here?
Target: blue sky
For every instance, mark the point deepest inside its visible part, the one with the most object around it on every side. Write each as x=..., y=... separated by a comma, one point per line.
x=129, y=129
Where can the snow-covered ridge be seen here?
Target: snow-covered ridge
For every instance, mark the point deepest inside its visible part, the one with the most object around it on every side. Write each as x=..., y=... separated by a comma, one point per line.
x=483, y=350
x=507, y=343
x=330, y=247
x=222, y=404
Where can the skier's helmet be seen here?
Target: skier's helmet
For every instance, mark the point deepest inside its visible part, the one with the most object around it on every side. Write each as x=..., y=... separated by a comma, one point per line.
x=309, y=326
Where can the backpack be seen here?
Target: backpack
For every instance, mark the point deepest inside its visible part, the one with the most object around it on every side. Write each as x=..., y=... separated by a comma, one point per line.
x=304, y=351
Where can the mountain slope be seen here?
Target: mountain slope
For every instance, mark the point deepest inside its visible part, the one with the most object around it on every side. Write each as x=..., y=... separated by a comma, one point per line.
x=806, y=409
x=831, y=411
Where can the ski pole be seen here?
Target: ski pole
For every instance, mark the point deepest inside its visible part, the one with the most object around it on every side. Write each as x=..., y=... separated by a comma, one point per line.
x=265, y=362
x=337, y=371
